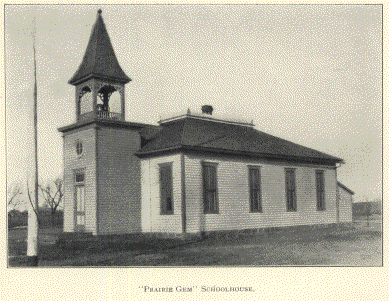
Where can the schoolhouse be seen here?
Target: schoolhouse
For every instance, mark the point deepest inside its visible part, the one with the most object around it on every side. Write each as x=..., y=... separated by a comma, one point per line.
x=193, y=173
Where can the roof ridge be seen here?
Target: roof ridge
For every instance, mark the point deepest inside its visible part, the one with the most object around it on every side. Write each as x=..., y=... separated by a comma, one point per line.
x=96, y=41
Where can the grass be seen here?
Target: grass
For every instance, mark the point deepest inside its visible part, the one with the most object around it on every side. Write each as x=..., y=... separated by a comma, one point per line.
x=347, y=246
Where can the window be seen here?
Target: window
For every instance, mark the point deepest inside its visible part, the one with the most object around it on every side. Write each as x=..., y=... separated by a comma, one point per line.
x=79, y=177
x=290, y=182
x=255, y=189
x=166, y=188
x=210, y=188
x=320, y=202
x=79, y=148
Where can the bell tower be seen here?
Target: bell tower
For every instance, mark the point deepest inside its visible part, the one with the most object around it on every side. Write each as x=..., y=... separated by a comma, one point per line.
x=99, y=80
x=102, y=175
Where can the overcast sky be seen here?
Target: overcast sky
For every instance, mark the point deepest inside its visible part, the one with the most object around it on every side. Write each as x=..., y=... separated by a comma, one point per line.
x=309, y=74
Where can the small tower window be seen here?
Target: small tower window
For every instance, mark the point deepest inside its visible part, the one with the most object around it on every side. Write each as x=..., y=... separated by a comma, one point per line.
x=79, y=148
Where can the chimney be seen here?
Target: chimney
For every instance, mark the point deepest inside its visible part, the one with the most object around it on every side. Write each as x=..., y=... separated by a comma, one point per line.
x=206, y=109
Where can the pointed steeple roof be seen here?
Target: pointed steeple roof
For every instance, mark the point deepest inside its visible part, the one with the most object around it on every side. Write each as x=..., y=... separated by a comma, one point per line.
x=99, y=59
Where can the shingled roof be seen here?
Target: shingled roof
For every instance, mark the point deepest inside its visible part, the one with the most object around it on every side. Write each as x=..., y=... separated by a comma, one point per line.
x=196, y=134
x=99, y=59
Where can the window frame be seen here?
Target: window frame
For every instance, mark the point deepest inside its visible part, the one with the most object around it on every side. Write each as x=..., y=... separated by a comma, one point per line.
x=320, y=194
x=163, y=201
x=206, y=205
x=291, y=204
x=258, y=208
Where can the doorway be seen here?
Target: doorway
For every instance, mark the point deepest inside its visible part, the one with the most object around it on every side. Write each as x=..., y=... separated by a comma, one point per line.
x=79, y=202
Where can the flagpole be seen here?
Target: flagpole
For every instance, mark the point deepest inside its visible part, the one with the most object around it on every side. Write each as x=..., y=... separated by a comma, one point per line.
x=32, y=235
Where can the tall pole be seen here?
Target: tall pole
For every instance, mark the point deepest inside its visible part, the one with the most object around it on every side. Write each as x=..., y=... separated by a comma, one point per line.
x=32, y=235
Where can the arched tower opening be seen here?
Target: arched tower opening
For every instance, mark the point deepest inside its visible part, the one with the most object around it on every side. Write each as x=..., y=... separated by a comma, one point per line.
x=115, y=102
x=109, y=102
x=85, y=100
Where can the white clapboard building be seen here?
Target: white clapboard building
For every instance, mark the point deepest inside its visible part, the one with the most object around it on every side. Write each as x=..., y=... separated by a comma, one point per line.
x=193, y=173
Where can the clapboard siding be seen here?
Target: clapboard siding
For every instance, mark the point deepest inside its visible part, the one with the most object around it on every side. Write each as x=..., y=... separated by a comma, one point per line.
x=345, y=205
x=73, y=162
x=119, y=183
x=233, y=194
x=152, y=220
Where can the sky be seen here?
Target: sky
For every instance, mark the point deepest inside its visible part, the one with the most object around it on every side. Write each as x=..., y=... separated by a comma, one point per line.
x=311, y=74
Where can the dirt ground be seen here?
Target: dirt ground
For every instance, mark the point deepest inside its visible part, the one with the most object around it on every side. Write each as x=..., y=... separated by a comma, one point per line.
x=360, y=245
